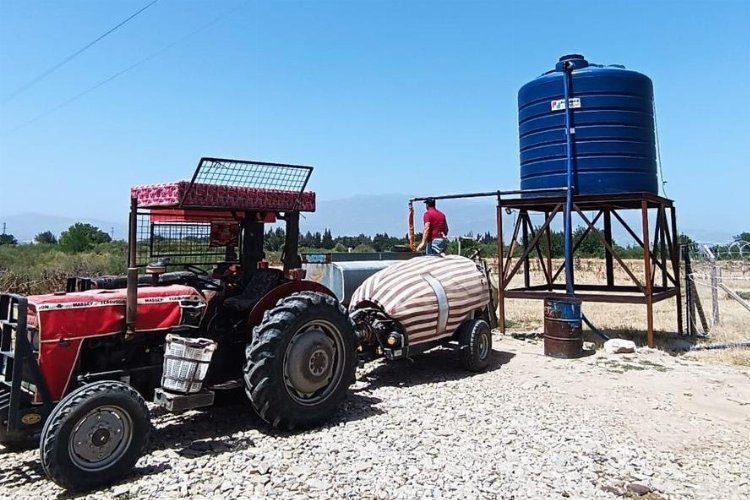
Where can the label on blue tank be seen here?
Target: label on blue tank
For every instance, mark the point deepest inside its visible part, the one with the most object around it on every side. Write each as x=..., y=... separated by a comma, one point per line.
x=559, y=104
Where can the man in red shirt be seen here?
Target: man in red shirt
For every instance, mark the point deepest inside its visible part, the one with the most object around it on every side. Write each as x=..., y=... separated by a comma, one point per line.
x=434, y=236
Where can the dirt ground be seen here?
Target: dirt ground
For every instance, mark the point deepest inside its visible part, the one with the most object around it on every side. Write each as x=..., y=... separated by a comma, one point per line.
x=629, y=321
x=647, y=425
x=667, y=399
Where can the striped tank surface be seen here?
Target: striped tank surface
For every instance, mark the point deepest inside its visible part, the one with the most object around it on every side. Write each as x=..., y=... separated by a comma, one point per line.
x=428, y=296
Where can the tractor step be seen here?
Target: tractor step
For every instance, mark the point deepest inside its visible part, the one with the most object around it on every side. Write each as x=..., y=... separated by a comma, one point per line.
x=4, y=397
x=228, y=385
x=181, y=402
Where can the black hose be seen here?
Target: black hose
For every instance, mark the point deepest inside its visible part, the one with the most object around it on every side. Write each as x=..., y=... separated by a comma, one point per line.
x=593, y=328
x=742, y=344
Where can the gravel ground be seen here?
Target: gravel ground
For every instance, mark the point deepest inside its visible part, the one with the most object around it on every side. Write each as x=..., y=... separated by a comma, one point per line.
x=646, y=425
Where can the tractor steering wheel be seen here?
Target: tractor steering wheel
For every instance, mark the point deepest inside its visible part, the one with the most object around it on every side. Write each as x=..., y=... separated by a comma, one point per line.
x=201, y=275
x=198, y=271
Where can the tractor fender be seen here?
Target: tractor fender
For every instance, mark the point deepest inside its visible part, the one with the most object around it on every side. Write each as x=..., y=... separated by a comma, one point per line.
x=284, y=290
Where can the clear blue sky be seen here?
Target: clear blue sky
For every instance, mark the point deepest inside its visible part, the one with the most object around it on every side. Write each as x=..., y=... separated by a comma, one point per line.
x=381, y=97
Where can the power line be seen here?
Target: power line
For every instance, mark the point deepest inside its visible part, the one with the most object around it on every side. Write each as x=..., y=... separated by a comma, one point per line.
x=72, y=56
x=122, y=72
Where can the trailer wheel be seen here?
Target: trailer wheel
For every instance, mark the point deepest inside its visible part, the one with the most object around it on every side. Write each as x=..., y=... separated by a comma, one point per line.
x=475, y=344
x=301, y=361
x=95, y=435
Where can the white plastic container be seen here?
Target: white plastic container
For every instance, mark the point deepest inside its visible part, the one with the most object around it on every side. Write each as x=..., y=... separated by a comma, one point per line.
x=186, y=363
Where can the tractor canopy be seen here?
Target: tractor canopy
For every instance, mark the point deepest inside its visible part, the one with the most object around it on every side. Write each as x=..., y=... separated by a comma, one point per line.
x=215, y=216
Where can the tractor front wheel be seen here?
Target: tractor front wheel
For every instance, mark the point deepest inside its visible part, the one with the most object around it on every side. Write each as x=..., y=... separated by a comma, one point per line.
x=301, y=361
x=95, y=435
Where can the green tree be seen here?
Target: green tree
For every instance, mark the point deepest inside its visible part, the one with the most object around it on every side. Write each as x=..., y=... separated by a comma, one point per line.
x=591, y=246
x=306, y=240
x=81, y=237
x=275, y=239
x=557, y=243
x=46, y=238
x=743, y=237
x=363, y=248
x=8, y=239
x=327, y=240
x=688, y=242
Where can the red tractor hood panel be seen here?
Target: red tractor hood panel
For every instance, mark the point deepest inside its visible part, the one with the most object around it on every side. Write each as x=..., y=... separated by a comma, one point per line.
x=102, y=312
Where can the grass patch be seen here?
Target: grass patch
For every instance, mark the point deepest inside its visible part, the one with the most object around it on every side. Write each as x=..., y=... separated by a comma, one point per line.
x=32, y=269
x=656, y=366
x=622, y=366
x=509, y=323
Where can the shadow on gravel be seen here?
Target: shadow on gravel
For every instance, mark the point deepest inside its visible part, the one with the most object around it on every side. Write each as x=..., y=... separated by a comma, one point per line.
x=439, y=365
x=22, y=473
x=357, y=407
x=670, y=342
x=221, y=429
x=212, y=432
x=207, y=432
x=136, y=473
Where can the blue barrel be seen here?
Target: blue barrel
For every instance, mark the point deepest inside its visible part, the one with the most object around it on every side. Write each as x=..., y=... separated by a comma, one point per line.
x=614, y=140
x=563, y=335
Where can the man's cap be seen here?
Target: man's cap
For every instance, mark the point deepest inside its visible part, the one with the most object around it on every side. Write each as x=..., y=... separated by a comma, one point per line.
x=429, y=201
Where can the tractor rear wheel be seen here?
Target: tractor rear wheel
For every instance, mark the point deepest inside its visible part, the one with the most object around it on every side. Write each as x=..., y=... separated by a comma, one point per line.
x=475, y=344
x=95, y=435
x=301, y=361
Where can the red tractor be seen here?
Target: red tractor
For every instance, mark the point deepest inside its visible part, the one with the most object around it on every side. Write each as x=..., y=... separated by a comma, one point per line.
x=76, y=367
x=207, y=314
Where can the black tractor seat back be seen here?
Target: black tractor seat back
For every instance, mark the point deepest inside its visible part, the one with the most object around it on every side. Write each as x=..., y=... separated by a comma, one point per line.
x=261, y=282
x=114, y=282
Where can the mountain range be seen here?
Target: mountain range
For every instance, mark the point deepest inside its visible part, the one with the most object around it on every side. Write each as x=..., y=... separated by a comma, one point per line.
x=367, y=214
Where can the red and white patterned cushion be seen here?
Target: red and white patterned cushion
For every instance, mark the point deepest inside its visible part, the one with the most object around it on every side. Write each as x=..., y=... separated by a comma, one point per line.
x=226, y=197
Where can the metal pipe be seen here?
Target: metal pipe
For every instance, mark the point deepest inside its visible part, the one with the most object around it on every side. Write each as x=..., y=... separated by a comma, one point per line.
x=131, y=308
x=567, y=215
x=489, y=193
x=500, y=267
x=648, y=290
x=88, y=377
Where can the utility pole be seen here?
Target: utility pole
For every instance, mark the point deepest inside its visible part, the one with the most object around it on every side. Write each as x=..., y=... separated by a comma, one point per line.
x=4, y=224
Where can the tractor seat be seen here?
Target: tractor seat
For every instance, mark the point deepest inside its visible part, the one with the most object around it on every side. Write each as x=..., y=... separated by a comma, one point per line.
x=261, y=282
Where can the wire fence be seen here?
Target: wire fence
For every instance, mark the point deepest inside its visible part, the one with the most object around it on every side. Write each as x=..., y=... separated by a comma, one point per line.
x=735, y=251
x=719, y=272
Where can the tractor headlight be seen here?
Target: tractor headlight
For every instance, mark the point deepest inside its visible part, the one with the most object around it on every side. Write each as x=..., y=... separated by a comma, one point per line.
x=33, y=337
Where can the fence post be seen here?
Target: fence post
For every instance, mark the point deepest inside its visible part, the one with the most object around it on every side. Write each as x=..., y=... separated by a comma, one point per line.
x=689, y=302
x=715, y=280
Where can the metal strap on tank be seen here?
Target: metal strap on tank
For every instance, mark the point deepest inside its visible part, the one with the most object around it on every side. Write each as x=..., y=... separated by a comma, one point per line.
x=442, y=300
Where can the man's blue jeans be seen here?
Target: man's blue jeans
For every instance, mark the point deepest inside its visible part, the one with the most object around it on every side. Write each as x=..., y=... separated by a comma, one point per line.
x=436, y=246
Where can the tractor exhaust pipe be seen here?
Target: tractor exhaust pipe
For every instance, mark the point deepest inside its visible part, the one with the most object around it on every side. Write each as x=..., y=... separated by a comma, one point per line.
x=131, y=306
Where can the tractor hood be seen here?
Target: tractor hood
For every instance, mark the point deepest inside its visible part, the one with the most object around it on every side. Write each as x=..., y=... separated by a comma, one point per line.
x=93, y=313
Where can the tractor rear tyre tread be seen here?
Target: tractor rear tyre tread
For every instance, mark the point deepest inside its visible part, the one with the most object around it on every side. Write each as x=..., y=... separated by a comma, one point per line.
x=265, y=383
x=475, y=344
x=58, y=429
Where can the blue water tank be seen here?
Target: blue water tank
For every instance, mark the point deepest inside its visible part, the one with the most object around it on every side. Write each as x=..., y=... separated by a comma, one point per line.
x=614, y=145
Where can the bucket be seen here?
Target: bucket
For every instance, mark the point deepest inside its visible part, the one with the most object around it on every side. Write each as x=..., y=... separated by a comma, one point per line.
x=186, y=362
x=563, y=337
